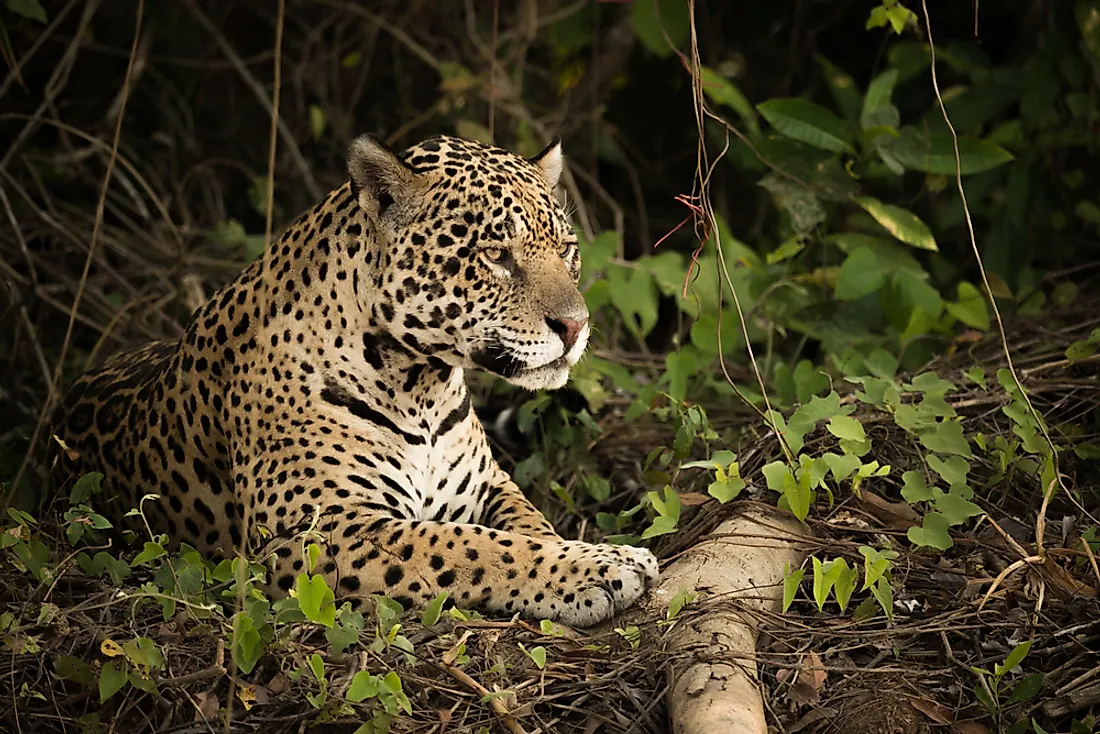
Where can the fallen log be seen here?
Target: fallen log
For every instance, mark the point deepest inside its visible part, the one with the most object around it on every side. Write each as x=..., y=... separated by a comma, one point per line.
x=739, y=568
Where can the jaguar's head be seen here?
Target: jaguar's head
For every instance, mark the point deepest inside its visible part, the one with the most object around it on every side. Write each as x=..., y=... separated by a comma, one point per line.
x=477, y=264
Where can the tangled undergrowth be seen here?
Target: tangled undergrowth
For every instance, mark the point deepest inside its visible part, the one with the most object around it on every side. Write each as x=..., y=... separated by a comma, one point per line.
x=950, y=587
x=114, y=639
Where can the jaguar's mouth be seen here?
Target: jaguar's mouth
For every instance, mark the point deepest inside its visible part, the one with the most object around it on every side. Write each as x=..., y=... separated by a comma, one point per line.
x=499, y=360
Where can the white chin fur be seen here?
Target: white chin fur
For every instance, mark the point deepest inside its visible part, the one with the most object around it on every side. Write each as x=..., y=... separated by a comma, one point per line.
x=543, y=378
x=552, y=376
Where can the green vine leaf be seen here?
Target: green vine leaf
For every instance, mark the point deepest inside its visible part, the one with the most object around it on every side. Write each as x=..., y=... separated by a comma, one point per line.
x=841, y=466
x=316, y=599
x=29, y=9
x=903, y=224
x=791, y=582
x=364, y=686
x=802, y=120
x=151, y=552
x=935, y=154
x=111, y=680
x=971, y=308
x=847, y=428
x=956, y=509
x=953, y=469
x=914, y=488
x=933, y=532
x=948, y=438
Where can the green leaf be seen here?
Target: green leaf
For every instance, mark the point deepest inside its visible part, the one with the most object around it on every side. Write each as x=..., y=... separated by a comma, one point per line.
x=901, y=223
x=842, y=466
x=72, y=668
x=364, y=686
x=1013, y=659
x=822, y=585
x=718, y=460
x=935, y=154
x=879, y=92
x=884, y=595
x=796, y=493
x=345, y=631
x=669, y=506
x=248, y=645
x=891, y=255
x=953, y=469
x=151, y=552
x=843, y=87
x=983, y=697
x=677, y=603
x=313, y=552
x=598, y=487
x=860, y=274
x=318, y=121
x=930, y=382
x=791, y=581
x=847, y=428
x=721, y=91
x=786, y=250
x=917, y=293
x=809, y=381
x=806, y=122
x=971, y=308
x=434, y=609
x=956, y=509
x=538, y=656
x=661, y=525
x=727, y=489
x=316, y=599
x=875, y=564
x=977, y=376
x=634, y=294
x=914, y=418
x=111, y=679
x=144, y=652
x=845, y=583
x=807, y=417
x=1080, y=349
x=948, y=438
x=85, y=487
x=31, y=10
x=1027, y=689
x=932, y=533
x=391, y=682
x=915, y=488
x=654, y=19
x=317, y=667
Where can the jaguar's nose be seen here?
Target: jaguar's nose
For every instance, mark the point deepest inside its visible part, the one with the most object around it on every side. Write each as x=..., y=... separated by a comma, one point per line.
x=566, y=328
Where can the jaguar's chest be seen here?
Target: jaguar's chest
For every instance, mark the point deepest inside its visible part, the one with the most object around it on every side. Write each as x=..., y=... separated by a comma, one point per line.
x=429, y=458
x=444, y=478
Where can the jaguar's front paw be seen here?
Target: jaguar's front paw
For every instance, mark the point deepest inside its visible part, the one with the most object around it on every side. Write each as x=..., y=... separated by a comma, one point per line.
x=601, y=580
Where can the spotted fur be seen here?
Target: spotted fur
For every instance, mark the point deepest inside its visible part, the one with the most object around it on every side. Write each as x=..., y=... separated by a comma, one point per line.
x=327, y=380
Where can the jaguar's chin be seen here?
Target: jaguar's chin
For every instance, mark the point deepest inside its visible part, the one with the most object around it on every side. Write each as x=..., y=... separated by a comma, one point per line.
x=547, y=377
x=503, y=362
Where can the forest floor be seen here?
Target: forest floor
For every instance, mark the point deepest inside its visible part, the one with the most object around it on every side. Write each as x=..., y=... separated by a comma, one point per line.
x=1018, y=575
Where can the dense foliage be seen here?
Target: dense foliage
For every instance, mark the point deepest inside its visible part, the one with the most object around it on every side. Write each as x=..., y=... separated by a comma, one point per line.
x=773, y=237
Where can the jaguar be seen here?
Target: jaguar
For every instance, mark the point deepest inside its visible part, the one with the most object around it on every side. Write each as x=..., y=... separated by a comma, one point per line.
x=324, y=388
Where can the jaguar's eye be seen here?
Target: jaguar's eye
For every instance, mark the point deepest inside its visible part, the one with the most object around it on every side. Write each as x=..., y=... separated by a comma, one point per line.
x=495, y=255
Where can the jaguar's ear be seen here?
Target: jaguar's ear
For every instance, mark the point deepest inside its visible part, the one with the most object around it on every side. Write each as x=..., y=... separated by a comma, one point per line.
x=550, y=162
x=378, y=175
